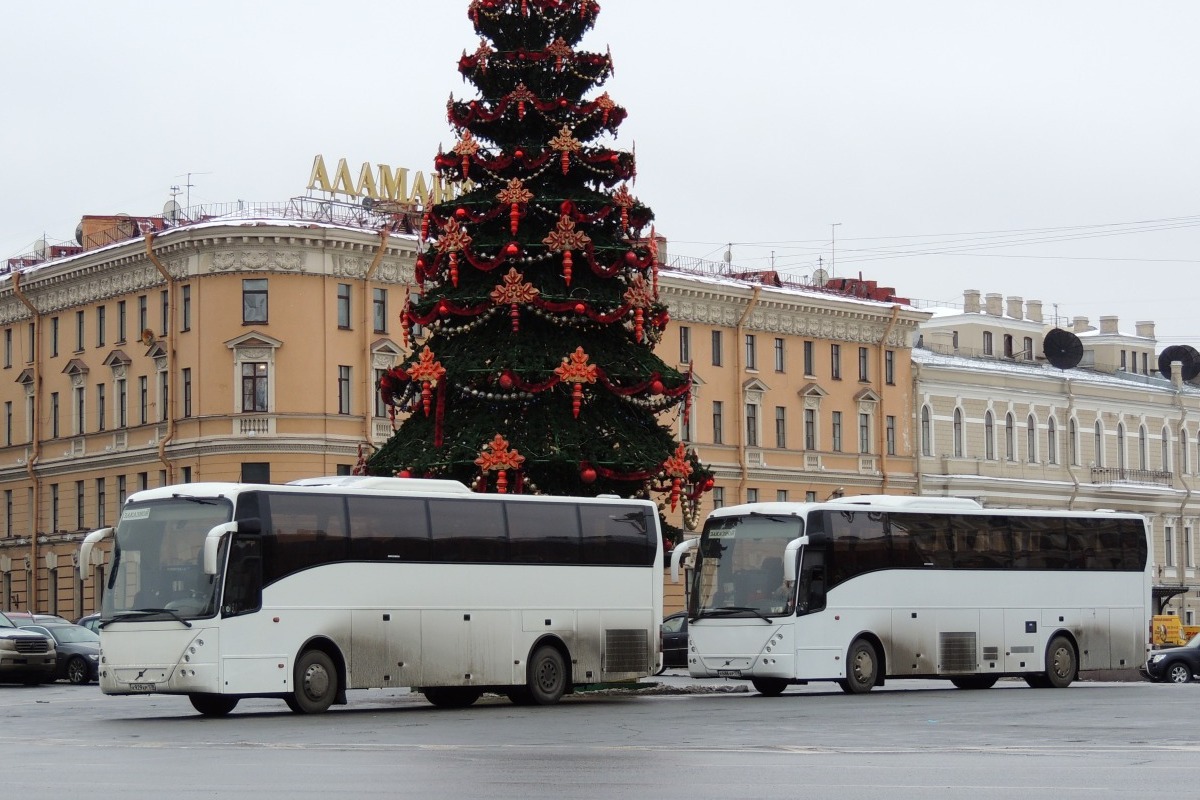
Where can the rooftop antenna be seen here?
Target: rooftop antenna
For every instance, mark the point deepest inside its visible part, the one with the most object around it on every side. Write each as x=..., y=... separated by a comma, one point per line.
x=833, y=248
x=188, y=186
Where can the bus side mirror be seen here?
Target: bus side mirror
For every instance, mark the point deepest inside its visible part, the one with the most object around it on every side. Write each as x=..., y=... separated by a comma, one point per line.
x=212, y=545
x=85, y=550
x=789, y=558
x=681, y=549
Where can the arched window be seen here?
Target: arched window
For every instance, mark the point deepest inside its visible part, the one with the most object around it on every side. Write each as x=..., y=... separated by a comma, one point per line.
x=1031, y=439
x=987, y=343
x=1073, y=442
x=1183, y=451
x=1098, y=445
x=1121, y=446
x=958, y=433
x=1143, y=449
x=989, y=436
x=1010, y=438
x=1051, y=441
x=926, y=432
x=1166, y=449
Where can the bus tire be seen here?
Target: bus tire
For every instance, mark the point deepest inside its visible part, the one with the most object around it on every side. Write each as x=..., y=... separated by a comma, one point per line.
x=1060, y=663
x=213, y=705
x=974, y=681
x=519, y=696
x=862, y=668
x=769, y=687
x=452, y=696
x=314, y=683
x=546, y=676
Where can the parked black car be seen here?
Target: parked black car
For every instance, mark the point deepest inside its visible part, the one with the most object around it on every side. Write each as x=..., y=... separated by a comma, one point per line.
x=91, y=622
x=1174, y=664
x=78, y=650
x=675, y=640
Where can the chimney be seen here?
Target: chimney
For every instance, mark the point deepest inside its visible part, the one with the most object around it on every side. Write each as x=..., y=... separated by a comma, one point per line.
x=940, y=341
x=1080, y=325
x=993, y=303
x=1145, y=329
x=1109, y=325
x=971, y=301
x=1177, y=374
x=1033, y=310
x=1015, y=305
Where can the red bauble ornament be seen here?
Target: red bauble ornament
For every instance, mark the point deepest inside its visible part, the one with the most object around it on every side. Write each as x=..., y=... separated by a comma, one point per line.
x=631, y=258
x=656, y=386
x=461, y=213
x=563, y=102
x=404, y=474
x=518, y=154
x=506, y=381
x=587, y=475
x=512, y=249
x=443, y=308
x=708, y=484
x=580, y=308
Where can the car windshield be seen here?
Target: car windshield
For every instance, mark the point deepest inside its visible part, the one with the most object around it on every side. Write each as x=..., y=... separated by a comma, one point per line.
x=158, y=559
x=739, y=568
x=73, y=634
x=5, y=622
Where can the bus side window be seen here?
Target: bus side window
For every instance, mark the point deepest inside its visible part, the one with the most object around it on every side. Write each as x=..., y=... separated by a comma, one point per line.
x=811, y=595
x=243, y=580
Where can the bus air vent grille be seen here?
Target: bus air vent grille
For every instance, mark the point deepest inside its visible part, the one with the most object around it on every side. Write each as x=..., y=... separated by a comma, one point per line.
x=626, y=650
x=958, y=651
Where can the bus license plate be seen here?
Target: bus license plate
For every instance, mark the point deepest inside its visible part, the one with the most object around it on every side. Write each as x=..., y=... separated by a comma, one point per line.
x=729, y=673
x=142, y=687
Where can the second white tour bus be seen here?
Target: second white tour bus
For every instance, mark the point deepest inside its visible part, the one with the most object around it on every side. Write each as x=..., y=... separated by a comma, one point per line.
x=862, y=589
x=222, y=591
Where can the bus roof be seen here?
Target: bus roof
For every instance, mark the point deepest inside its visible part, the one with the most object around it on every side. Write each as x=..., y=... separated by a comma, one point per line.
x=879, y=502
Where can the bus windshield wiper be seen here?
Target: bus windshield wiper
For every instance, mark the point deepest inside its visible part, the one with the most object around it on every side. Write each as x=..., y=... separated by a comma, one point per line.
x=191, y=499
x=775, y=517
x=145, y=612
x=725, y=611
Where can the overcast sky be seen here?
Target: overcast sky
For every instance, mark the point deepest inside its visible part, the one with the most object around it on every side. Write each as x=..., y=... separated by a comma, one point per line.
x=1048, y=149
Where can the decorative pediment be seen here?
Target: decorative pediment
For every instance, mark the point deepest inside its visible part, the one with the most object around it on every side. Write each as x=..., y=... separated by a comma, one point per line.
x=867, y=396
x=755, y=385
x=75, y=367
x=812, y=390
x=386, y=347
x=117, y=358
x=157, y=351
x=253, y=340
x=26, y=377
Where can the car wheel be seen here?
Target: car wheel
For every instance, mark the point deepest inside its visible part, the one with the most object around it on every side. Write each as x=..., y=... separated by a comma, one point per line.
x=1178, y=672
x=77, y=670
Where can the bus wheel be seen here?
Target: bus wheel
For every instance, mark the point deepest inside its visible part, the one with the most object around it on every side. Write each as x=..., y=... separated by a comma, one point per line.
x=213, y=705
x=519, y=696
x=1038, y=681
x=547, y=676
x=1060, y=662
x=315, y=683
x=769, y=687
x=974, y=681
x=452, y=696
x=862, y=668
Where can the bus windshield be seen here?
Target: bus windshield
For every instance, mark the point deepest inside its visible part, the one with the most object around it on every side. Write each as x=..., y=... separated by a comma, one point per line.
x=739, y=568
x=158, y=559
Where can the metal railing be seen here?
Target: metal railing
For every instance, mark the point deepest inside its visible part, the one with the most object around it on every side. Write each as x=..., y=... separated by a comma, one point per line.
x=1146, y=477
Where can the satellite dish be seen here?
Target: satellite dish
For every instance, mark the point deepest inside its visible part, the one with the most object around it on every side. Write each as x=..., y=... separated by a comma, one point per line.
x=368, y=203
x=172, y=212
x=79, y=233
x=820, y=277
x=39, y=248
x=1062, y=349
x=1184, y=353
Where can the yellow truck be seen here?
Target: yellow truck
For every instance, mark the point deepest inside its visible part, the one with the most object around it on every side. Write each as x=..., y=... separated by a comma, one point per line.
x=1167, y=631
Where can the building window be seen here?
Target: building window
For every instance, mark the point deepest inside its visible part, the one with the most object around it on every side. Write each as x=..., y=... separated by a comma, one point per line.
x=1166, y=451
x=926, y=431
x=889, y=367
x=864, y=433
x=958, y=433
x=144, y=398
x=121, y=321
x=1031, y=439
x=781, y=496
x=185, y=475
x=751, y=424
x=165, y=312
x=1098, y=444
x=185, y=316
x=835, y=361
x=987, y=343
x=1027, y=349
x=1121, y=446
x=143, y=318
x=80, y=522
x=80, y=410
x=780, y=427
x=752, y=495
x=1143, y=449
x=864, y=364
x=751, y=352
x=891, y=435
x=809, y=366
x=989, y=436
x=381, y=409
x=810, y=497
x=1183, y=451
x=256, y=472
x=1073, y=442
x=254, y=386
x=379, y=309
x=1124, y=366
x=810, y=429
x=121, y=491
x=101, y=407
x=1008, y=345
x=79, y=325
x=54, y=415
x=343, y=383
x=1051, y=441
x=8, y=347
x=718, y=497
x=254, y=300
x=685, y=344
x=1169, y=545
x=837, y=432
x=718, y=419
x=186, y=377
x=143, y=481
x=54, y=526
x=1188, y=552
x=101, y=324
x=53, y=337
x=32, y=341
x=8, y=422
x=343, y=305
x=716, y=348
x=8, y=512
x=779, y=359
x=122, y=403
x=101, y=511
x=164, y=387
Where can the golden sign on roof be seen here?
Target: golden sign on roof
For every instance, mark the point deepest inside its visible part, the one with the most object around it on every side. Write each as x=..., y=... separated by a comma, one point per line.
x=381, y=182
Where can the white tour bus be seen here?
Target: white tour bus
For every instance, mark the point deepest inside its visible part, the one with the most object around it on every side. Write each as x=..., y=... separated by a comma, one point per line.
x=861, y=589
x=220, y=591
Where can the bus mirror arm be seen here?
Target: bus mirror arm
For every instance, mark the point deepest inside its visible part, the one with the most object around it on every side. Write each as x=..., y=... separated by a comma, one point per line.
x=85, y=550
x=212, y=545
x=681, y=550
x=789, y=558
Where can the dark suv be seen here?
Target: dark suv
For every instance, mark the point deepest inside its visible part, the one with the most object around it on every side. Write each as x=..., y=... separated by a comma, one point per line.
x=1174, y=664
x=25, y=657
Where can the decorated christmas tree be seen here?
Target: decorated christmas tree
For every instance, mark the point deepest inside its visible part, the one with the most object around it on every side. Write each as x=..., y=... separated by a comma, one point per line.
x=538, y=286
